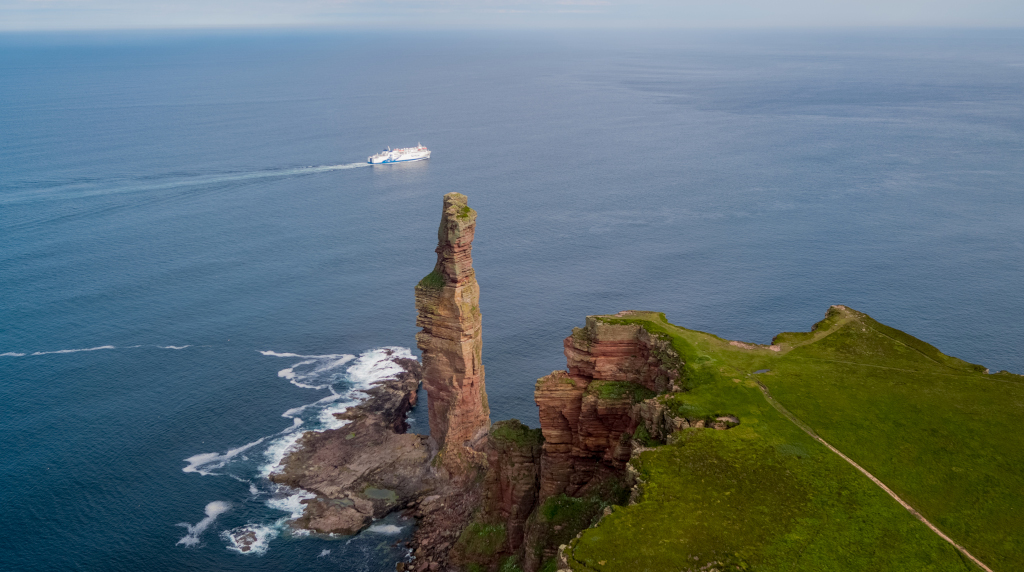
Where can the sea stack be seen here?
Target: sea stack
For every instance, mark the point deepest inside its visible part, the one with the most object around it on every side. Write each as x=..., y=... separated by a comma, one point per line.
x=448, y=306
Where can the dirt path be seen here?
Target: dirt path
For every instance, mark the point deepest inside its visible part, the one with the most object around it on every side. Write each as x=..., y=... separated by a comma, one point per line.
x=806, y=429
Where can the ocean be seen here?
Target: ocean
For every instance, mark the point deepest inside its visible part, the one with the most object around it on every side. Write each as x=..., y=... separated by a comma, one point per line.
x=197, y=264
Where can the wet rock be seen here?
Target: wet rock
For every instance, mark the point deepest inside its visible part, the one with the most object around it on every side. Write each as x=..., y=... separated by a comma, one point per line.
x=366, y=468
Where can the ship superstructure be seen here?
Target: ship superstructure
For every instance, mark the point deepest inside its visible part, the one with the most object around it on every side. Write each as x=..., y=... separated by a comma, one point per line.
x=389, y=155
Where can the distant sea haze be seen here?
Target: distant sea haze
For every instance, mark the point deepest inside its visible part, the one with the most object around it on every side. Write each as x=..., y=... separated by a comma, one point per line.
x=198, y=265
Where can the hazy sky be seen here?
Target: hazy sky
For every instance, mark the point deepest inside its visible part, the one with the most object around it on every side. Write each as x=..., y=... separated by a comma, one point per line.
x=440, y=14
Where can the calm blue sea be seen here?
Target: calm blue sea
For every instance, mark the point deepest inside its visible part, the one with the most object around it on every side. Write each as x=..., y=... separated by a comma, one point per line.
x=191, y=209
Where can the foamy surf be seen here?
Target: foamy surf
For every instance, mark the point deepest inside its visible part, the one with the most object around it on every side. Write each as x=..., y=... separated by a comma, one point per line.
x=75, y=350
x=206, y=463
x=97, y=348
x=319, y=366
x=95, y=188
x=213, y=510
x=279, y=354
x=290, y=500
x=250, y=539
x=346, y=377
x=388, y=529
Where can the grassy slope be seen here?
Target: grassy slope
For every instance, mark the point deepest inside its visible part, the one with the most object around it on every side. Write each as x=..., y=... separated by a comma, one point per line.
x=765, y=496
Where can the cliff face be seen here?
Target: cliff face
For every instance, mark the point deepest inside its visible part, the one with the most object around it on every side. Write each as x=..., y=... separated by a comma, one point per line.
x=447, y=302
x=586, y=412
x=513, y=459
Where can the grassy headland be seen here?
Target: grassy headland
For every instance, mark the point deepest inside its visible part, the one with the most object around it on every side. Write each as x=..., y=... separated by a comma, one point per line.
x=944, y=435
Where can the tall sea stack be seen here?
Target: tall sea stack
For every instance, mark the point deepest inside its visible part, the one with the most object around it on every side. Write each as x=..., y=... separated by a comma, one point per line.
x=448, y=303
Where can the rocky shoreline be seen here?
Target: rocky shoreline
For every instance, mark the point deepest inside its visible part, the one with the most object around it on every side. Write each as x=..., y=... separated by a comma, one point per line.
x=489, y=497
x=367, y=468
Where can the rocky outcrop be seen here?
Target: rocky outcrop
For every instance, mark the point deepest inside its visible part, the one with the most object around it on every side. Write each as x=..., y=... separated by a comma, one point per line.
x=622, y=352
x=448, y=306
x=588, y=412
x=368, y=467
x=513, y=458
x=448, y=311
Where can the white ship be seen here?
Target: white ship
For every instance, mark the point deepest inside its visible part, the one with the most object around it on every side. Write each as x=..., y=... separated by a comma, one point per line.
x=417, y=153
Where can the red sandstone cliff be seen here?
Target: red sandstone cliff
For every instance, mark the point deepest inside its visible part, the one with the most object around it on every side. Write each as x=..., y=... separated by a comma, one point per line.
x=447, y=301
x=585, y=411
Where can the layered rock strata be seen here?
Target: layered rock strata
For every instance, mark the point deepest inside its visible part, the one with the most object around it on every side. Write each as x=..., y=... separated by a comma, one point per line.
x=585, y=412
x=513, y=459
x=448, y=306
x=472, y=485
x=367, y=468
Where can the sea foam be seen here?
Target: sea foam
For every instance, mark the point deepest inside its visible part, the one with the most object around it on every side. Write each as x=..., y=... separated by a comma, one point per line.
x=290, y=500
x=388, y=529
x=213, y=510
x=316, y=372
x=323, y=369
x=206, y=463
x=250, y=539
x=74, y=351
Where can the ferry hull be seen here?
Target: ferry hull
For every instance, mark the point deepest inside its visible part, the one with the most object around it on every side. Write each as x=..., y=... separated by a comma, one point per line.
x=389, y=161
x=389, y=156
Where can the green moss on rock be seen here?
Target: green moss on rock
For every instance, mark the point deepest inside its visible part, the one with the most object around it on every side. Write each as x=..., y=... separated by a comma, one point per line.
x=432, y=281
x=612, y=390
x=480, y=542
x=514, y=433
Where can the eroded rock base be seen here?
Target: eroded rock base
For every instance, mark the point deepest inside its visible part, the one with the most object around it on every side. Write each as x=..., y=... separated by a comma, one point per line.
x=367, y=468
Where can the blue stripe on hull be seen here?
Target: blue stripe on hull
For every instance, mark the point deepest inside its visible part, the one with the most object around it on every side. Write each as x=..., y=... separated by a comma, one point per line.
x=400, y=161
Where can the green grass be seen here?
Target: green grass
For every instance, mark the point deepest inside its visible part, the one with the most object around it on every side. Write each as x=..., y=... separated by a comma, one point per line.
x=765, y=496
x=511, y=564
x=479, y=542
x=432, y=281
x=613, y=390
x=515, y=433
x=560, y=518
x=644, y=437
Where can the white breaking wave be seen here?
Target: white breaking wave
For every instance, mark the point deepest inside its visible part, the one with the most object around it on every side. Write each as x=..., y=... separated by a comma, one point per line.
x=206, y=463
x=290, y=501
x=320, y=365
x=294, y=411
x=213, y=510
x=88, y=189
x=74, y=351
x=278, y=354
x=371, y=366
x=278, y=450
x=316, y=372
x=258, y=538
x=376, y=365
x=324, y=552
x=388, y=529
